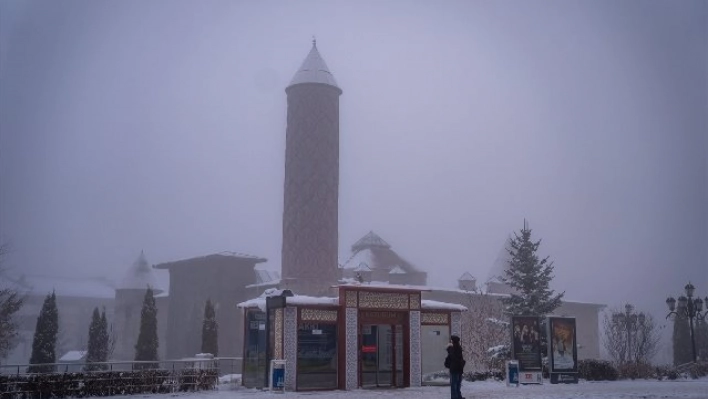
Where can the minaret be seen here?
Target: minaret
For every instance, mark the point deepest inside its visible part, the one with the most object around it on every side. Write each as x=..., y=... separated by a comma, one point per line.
x=130, y=294
x=310, y=219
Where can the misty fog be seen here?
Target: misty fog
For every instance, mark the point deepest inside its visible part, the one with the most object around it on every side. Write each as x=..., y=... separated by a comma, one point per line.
x=160, y=126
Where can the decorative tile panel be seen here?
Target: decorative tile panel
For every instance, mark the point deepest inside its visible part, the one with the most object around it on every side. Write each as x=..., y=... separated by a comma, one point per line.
x=416, y=372
x=415, y=301
x=290, y=347
x=318, y=315
x=351, y=299
x=352, y=356
x=456, y=325
x=278, y=350
x=435, y=318
x=383, y=300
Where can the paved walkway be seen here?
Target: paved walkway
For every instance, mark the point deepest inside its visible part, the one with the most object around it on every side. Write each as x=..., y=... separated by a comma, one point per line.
x=642, y=389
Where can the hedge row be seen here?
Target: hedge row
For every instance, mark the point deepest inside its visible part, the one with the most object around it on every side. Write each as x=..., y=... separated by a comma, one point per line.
x=597, y=370
x=602, y=370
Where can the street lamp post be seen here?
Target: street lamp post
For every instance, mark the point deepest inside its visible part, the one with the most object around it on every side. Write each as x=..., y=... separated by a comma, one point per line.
x=629, y=320
x=689, y=307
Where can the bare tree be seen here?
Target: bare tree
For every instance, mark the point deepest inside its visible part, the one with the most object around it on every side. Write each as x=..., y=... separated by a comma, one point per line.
x=630, y=337
x=484, y=326
x=10, y=303
x=614, y=340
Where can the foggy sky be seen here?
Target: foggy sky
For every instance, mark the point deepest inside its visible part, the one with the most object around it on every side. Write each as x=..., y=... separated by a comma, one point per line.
x=160, y=126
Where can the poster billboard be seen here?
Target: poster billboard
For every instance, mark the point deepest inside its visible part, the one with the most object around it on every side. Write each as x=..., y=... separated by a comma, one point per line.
x=526, y=342
x=562, y=350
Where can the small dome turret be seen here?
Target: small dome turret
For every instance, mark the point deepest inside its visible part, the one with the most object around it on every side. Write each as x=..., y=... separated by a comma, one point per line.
x=140, y=276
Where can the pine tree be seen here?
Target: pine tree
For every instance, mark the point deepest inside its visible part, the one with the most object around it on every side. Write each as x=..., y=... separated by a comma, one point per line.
x=146, y=347
x=10, y=303
x=45, y=337
x=97, y=348
x=681, y=339
x=93, y=350
x=210, y=330
x=103, y=339
x=701, y=329
x=529, y=277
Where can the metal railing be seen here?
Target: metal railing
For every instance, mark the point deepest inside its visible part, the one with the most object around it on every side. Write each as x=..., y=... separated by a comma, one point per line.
x=69, y=379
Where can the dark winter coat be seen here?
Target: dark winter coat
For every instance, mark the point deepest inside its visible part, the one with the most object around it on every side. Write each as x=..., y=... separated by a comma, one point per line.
x=455, y=360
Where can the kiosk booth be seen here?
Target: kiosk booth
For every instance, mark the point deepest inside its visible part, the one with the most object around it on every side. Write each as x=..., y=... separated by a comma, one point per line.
x=367, y=337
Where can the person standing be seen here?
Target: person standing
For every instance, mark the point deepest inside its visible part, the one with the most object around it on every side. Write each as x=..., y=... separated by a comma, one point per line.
x=455, y=361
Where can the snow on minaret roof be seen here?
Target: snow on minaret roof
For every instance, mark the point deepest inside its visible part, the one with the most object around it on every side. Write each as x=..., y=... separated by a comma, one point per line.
x=370, y=240
x=313, y=70
x=139, y=276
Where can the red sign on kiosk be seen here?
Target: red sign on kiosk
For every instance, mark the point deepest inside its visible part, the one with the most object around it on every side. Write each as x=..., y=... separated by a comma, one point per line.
x=368, y=349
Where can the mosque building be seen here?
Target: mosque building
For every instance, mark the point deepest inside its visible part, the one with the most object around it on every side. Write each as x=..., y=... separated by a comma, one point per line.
x=382, y=326
x=369, y=321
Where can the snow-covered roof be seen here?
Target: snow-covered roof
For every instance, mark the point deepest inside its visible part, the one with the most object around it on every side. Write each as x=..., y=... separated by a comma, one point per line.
x=364, y=257
x=265, y=276
x=264, y=284
x=370, y=240
x=363, y=267
x=72, y=356
x=428, y=304
x=376, y=254
x=140, y=276
x=190, y=261
x=302, y=300
x=67, y=286
x=397, y=270
x=380, y=285
x=313, y=70
x=467, y=277
x=242, y=255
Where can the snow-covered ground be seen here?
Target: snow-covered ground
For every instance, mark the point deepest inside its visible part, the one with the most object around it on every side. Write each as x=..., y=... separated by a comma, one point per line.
x=644, y=389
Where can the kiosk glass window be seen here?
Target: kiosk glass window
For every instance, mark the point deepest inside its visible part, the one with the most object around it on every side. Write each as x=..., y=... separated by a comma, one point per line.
x=316, y=356
x=254, y=350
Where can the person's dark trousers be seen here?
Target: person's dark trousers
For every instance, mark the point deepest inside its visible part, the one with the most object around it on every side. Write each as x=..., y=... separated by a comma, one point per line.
x=455, y=385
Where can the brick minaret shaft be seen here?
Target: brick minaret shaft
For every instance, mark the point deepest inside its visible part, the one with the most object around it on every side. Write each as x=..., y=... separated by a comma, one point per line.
x=311, y=199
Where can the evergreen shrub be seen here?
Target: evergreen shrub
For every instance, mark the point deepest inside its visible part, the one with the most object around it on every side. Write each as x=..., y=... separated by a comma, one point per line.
x=636, y=370
x=597, y=370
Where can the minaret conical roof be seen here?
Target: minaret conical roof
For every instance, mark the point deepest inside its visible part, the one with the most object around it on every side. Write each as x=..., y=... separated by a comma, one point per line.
x=314, y=70
x=140, y=276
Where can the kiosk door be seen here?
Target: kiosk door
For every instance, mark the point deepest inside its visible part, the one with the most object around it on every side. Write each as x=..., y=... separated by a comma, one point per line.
x=381, y=355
